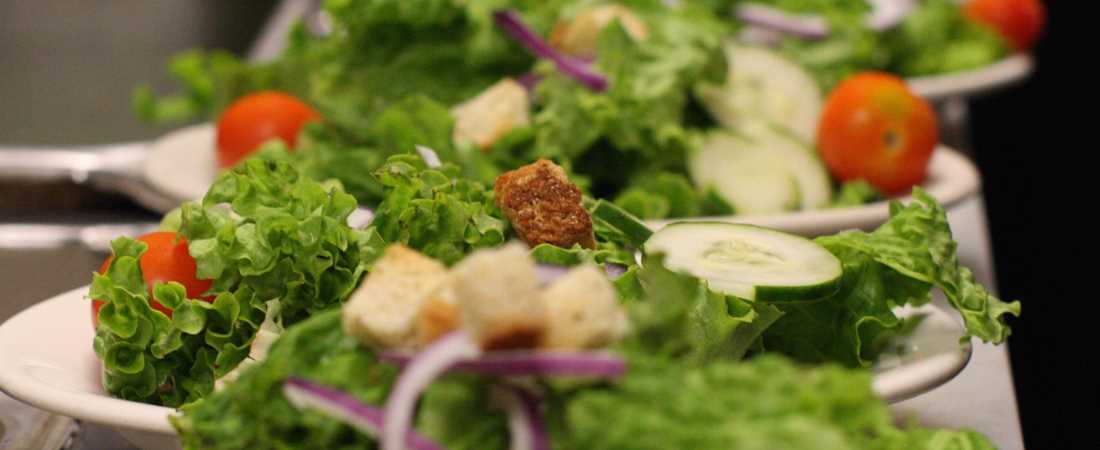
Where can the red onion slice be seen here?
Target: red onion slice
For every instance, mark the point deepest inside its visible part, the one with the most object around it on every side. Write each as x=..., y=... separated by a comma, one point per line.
x=613, y=270
x=529, y=363
x=421, y=370
x=758, y=35
x=548, y=273
x=347, y=409
x=360, y=218
x=526, y=424
x=804, y=26
x=887, y=14
x=430, y=157
x=511, y=23
x=529, y=81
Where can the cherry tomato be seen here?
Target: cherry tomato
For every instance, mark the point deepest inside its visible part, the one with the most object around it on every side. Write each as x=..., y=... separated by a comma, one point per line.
x=874, y=128
x=1019, y=21
x=257, y=118
x=166, y=260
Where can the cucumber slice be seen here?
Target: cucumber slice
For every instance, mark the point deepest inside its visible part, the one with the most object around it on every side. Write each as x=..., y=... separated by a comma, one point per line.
x=750, y=262
x=744, y=173
x=815, y=187
x=761, y=84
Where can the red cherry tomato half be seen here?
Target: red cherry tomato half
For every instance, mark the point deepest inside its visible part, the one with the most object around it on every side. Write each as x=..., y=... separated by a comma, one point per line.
x=166, y=260
x=257, y=118
x=874, y=128
x=1019, y=21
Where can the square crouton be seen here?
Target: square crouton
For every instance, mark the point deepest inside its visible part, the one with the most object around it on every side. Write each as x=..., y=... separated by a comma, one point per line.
x=498, y=298
x=382, y=312
x=494, y=113
x=543, y=206
x=584, y=311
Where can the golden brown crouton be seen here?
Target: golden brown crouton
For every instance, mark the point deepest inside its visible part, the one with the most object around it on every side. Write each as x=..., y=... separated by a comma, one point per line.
x=382, y=312
x=544, y=206
x=498, y=298
x=584, y=311
x=438, y=316
x=579, y=36
x=492, y=114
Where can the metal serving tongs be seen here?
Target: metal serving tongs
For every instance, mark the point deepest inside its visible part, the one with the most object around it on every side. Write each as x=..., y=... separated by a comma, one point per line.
x=110, y=167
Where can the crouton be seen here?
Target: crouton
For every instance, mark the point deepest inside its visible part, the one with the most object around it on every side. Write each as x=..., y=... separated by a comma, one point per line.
x=382, y=312
x=584, y=311
x=580, y=36
x=498, y=298
x=492, y=114
x=544, y=206
x=437, y=316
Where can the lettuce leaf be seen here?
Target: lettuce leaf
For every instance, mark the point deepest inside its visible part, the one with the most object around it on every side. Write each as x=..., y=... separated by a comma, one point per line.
x=151, y=358
x=435, y=211
x=677, y=317
x=854, y=193
x=764, y=403
x=252, y=413
x=378, y=52
x=935, y=38
x=324, y=153
x=938, y=38
x=897, y=264
x=283, y=238
x=637, y=124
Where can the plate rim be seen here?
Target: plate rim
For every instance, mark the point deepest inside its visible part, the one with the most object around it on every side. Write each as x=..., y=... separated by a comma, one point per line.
x=101, y=409
x=1012, y=69
x=150, y=418
x=953, y=177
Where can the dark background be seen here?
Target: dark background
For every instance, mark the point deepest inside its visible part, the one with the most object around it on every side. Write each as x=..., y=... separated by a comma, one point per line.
x=1034, y=146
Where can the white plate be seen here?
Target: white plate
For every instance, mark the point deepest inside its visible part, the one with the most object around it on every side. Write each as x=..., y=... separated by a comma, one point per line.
x=181, y=165
x=1005, y=72
x=46, y=360
x=951, y=178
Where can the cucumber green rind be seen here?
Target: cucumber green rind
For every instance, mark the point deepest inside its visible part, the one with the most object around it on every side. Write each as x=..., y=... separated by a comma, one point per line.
x=792, y=268
x=790, y=294
x=636, y=231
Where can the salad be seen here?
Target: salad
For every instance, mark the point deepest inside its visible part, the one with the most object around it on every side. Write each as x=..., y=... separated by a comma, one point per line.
x=911, y=38
x=641, y=103
x=464, y=316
